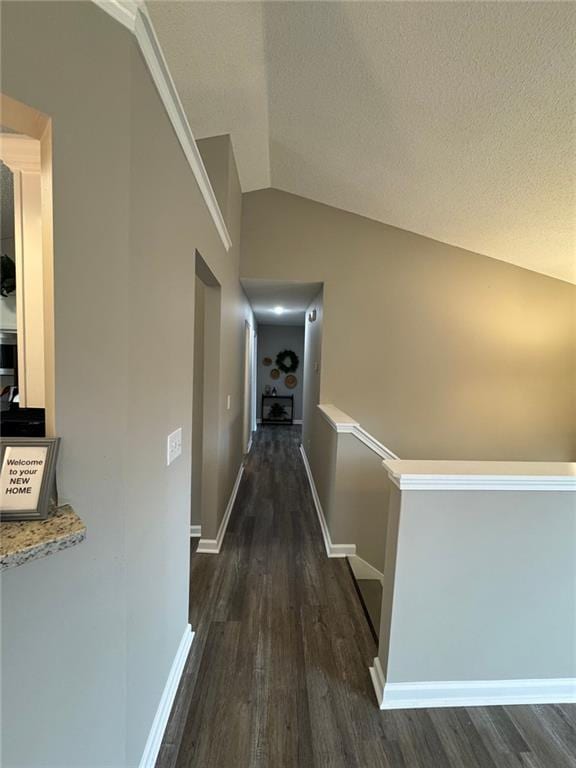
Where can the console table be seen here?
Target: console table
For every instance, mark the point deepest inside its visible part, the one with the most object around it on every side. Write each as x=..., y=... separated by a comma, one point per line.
x=277, y=409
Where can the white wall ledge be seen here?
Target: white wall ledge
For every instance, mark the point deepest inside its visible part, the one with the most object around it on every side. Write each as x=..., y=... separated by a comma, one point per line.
x=411, y=475
x=343, y=423
x=337, y=419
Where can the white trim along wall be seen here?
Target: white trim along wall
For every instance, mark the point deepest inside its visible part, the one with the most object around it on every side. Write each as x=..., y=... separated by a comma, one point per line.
x=470, y=693
x=156, y=733
x=134, y=16
x=343, y=423
x=213, y=546
x=482, y=475
x=332, y=550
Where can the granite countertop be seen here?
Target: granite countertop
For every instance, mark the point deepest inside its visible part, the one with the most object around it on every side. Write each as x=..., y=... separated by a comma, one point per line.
x=32, y=539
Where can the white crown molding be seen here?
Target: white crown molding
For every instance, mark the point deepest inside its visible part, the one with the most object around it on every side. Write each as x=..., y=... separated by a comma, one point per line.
x=332, y=550
x=213, y=546
x=345, y=424
x=481, y=475
x=470, y=693
x=134, y=16
x=154, y=740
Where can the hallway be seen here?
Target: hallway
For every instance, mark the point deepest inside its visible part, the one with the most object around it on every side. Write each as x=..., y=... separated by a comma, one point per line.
x=278, y=671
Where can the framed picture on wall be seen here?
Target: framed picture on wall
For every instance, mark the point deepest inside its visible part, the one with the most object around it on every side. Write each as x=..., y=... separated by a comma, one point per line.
x=27, y=477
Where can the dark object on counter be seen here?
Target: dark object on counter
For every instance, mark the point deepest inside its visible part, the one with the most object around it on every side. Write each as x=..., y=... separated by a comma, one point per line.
x=23, y=422
x=7, y=276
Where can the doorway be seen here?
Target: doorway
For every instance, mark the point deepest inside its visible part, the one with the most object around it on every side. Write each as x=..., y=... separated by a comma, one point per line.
x=27, y=397
x=205, y=401
x=287, y=350
x=249, y=387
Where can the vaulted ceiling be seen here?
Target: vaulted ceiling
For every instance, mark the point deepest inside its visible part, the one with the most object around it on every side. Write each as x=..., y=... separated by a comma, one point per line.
x=453, y=120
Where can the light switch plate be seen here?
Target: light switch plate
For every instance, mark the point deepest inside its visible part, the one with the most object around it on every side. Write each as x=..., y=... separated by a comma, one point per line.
x=228, y=402
x=173, y=446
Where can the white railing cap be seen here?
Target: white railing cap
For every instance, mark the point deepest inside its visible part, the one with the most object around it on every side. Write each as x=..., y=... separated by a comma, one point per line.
x=428, y=475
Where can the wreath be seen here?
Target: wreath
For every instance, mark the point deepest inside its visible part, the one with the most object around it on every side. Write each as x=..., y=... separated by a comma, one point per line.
x=287, y=361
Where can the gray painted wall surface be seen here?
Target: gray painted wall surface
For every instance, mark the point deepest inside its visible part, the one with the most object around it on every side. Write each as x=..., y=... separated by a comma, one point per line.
x=198, y=405
x=273, y=339
x=361, y=497
x=438, y=352
x=483, y=586
x=89, y=634
x=312, y=370
x=353, y=488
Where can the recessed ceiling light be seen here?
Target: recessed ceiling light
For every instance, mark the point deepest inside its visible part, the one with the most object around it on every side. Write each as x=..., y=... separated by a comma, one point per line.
x=278, y=310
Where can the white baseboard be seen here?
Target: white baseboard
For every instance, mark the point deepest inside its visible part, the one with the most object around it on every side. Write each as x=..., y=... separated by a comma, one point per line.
x=332, y=550
x=363, y=570
x=213, y=546
x=195, y=531
x=377, y=676
x=249, y=448
x=156, y=734
x=470, y=693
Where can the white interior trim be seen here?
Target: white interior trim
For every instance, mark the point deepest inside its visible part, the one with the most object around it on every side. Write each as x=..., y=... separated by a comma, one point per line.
x=378, y=680
x=154, y=740
x=343, y=423
x=482, y=475
x=213, y=546
x=363, y=570
x=428, y=475
x=195, y=531
x=332, y=550
x=134, y=16
x=124, y=11
x=470, y=693
x=337, y=419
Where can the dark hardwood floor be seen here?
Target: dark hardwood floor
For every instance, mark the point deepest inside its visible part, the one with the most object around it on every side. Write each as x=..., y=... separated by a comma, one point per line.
x=278, y=673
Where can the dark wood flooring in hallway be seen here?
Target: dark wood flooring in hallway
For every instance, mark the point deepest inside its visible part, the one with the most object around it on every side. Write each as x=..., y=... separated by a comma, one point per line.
x=278, y=672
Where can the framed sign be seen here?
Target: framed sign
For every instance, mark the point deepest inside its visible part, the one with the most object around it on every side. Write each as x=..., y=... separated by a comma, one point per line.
x=27, y=477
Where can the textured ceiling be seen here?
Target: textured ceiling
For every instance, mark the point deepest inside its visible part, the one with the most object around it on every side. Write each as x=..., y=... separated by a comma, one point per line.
x=294, y=298
x=453, y=120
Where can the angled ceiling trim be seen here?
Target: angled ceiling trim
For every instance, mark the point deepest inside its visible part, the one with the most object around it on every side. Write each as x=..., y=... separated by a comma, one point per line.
x=133, y=16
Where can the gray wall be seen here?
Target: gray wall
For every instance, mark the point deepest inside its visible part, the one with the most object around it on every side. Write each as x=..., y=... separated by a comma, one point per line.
x=273, y=339
x=312, y=369
x=198, y=404
x=360, y=514
x=353, y=489
x=482, y=587
x=436, y=351
x=89, y=634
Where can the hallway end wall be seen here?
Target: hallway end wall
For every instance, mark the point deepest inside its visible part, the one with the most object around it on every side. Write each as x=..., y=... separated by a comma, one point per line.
x=273, y=339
